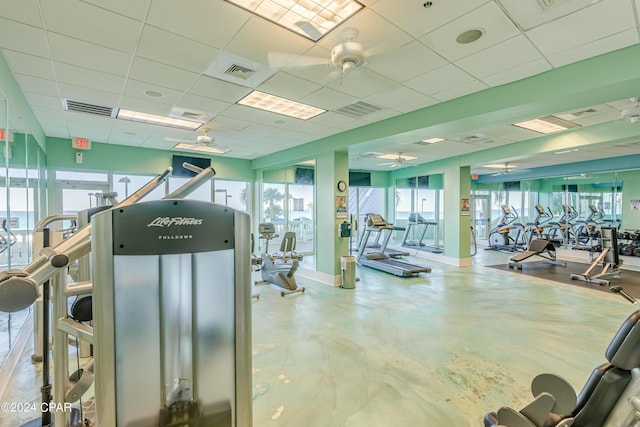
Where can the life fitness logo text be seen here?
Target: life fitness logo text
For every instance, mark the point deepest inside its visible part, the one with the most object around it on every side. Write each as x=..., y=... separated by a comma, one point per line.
x=165, y=222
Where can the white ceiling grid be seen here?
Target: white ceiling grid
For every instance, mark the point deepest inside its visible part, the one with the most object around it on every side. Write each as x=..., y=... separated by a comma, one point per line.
x=112, y=53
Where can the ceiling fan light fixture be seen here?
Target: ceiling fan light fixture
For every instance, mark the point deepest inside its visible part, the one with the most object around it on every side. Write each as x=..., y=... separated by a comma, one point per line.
x=199, y=148
x=311, y=19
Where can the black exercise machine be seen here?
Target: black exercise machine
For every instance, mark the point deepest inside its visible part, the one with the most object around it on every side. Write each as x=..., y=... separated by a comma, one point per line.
x=540, y=248
x=608, y=258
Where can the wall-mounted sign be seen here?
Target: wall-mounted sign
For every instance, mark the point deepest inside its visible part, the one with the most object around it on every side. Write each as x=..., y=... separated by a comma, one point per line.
x=4, y=134
x=81, y=144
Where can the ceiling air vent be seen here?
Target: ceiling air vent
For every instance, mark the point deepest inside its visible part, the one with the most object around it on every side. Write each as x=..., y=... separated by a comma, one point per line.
x=81, y=107
x=239, y=71
x=358, y=109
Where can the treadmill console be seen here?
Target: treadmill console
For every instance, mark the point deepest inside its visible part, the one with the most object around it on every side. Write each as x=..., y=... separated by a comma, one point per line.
x=375, y=220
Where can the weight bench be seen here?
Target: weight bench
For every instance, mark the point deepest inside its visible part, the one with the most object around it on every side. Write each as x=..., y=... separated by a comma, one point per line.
x=608, y=258
x=538, y=247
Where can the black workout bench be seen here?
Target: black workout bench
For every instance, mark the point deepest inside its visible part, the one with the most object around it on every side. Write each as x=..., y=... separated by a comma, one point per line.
x=538, y=247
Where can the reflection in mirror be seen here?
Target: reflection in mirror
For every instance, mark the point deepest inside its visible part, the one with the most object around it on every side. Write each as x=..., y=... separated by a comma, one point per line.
x=419, y=212
x=565, y=210
x=287, y=201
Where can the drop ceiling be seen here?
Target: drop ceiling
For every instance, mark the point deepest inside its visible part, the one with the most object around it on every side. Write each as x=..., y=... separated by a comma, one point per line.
x=168, y=57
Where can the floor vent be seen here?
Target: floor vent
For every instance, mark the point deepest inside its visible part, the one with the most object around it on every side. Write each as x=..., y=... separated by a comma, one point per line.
x=358, y=109
x=81, y=107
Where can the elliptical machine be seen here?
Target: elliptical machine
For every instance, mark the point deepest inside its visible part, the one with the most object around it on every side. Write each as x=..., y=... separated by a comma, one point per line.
x=279, y=270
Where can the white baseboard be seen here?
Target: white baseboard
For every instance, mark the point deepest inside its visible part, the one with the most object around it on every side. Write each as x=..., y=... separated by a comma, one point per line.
x=324, y=278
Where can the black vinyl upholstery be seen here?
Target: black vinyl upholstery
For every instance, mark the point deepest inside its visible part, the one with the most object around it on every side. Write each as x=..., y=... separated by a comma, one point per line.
x=605, y=385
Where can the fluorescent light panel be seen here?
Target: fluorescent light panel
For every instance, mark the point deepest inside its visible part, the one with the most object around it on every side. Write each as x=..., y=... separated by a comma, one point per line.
x=547, y=124
x=309, y=18
x=396, y=157
x=136, y=116
x=199, y=148
x=500, y=166
x=276, y=104
x=433, y=140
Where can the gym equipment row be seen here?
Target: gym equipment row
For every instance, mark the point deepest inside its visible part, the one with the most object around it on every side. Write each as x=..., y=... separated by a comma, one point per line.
x=183, y=360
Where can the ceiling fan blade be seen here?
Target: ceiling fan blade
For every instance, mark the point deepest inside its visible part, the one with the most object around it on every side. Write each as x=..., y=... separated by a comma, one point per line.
x=279, y=60
x=186, y=141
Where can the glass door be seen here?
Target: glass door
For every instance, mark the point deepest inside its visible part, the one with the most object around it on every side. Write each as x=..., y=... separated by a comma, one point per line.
x=481, y=214
x=74, y=196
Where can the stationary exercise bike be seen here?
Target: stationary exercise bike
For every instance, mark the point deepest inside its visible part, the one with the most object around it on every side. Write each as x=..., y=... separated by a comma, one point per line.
x=279, y=270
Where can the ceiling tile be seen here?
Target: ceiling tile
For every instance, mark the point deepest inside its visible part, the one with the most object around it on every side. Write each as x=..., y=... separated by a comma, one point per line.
x=31, y=65
x=217, y=89
x=22, y=38
x=597, y=47
x=213, y=23
x=80, y=76
x=376, y=34
x=97, y=25
x=329, y=99
x=518, y=72
x=82, y=53
x=599, y=21
x=505, y=55
x=211, y=107
x=84, y=94
x=162, y=75
x=168, y=48
x=132, y=9
x=25, y=12
x=418, y=20
x=258, y=37
x=37, y=85
x=460, y=90
x=288, y=86
x=406, y=62
x=394, y=96
x=439, y=80
x=360, y=83
x=489, y=18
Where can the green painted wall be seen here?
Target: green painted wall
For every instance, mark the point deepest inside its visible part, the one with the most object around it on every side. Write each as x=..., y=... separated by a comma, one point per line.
x=123, y=159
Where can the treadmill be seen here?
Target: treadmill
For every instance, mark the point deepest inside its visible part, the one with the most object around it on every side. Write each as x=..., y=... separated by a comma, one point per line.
x=383, y=247
x=381, y=261
x=416, y=219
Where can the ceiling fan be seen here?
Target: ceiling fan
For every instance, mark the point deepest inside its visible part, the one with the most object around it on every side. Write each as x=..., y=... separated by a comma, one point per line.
x=346, y=57
x=506, y=169
x=203, y=143
x=399, y=161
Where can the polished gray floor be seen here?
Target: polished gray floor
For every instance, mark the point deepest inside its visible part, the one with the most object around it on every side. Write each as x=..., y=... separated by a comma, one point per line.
x=436, y=350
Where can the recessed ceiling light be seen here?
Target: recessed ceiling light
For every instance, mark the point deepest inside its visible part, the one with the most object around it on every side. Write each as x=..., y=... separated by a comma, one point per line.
x=469, y=36
x=136, y=116
x=154, y=94
x=547, y=124
x=276, y=104
x=433, y=140
x=199, y=148
x=309, y=18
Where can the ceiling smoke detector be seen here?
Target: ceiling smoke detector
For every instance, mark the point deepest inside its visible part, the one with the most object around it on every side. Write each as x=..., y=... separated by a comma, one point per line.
x=632, y=115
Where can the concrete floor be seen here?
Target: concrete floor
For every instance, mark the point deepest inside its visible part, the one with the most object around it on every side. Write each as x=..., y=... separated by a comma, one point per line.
x=439, y=349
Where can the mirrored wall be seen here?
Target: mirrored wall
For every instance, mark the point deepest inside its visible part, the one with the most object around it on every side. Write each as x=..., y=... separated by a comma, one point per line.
x=419, y=213
x=563, y=209
x=22, y=204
